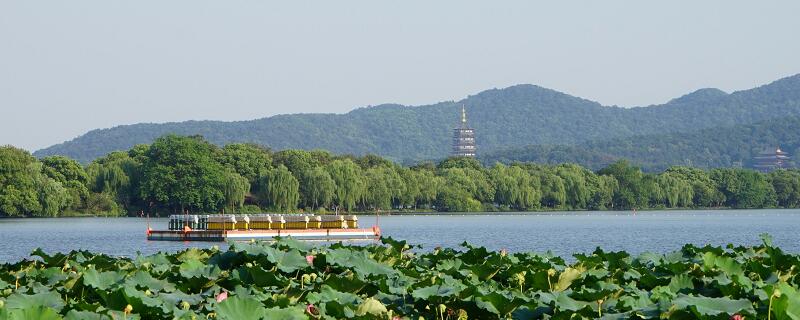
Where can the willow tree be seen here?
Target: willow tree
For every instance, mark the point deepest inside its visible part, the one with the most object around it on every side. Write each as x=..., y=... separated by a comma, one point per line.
x=514, y=187
x=677, y=191
x=236, y=188
x=72, y=177
x=384, y=186
x=411, y=180
x=117, y=176
x=52, y=195
x=278, y=189
x=317, y=188
x=349, y=182
x=577, y=189
x=19, y=192
x=429, y=185
x=603, y=188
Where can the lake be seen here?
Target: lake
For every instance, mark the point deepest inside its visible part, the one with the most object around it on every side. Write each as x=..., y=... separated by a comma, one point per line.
x=563, y=233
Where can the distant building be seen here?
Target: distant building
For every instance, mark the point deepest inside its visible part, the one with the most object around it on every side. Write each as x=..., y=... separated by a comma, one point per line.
x=771, y=160
x=463, y=138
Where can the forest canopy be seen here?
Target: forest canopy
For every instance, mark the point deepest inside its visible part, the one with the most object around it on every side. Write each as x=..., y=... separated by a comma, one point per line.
x=177, y=174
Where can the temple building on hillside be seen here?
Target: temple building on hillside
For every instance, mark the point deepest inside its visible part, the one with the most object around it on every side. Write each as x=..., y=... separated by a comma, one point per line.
x=463, y=138
x=770, y=160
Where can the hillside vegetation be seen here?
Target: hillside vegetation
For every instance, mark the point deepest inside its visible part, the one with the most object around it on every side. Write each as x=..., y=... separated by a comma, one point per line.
x=176, y=174
x=706, y=148
x=511, y=117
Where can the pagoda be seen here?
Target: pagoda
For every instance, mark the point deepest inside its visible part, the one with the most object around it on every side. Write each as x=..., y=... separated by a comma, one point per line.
x=463, y=138
x=771, y=160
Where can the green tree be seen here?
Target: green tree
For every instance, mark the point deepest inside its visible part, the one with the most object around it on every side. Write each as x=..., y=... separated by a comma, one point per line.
x=677, y=191
x=236, y=188
x=71, y=175
x=181, y=172
x=384, y=186
x=297, y=161
x=459, y=190
x=317, y=188
x=412, y=183
x=248, y=160
x=554, y=193
x=429, y=187
x=514, y=187
x=460, y=162
x=372, y=161
x=578, y=191
x=19, y=172
x=279, y=189
x=52, y=196
x=744, y=188
x=350, y=185
x=603, y=188
x=629, y=185
x=787, y=187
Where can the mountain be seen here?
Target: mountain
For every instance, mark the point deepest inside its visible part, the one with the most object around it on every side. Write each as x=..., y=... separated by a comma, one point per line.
x=706, y=148
x=510, y=117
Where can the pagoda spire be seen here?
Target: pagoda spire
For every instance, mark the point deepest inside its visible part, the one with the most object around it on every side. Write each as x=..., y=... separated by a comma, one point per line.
x=463, y=138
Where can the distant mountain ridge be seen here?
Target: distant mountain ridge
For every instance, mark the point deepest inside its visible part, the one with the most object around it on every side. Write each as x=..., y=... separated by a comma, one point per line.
x=516, y=116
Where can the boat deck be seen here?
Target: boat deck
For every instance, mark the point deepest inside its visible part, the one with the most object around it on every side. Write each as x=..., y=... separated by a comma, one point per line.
x=244, y=235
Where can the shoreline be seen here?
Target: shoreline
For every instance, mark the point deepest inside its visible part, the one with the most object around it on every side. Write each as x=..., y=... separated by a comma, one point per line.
x=472, y=213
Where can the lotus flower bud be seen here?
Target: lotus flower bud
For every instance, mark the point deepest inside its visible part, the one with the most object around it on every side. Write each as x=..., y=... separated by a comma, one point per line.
x=776, y=293
x=312, y=310
x=128, y=309
x=222, y=296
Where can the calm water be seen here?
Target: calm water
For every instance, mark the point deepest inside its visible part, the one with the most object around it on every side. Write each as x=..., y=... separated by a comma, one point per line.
x=562, y=233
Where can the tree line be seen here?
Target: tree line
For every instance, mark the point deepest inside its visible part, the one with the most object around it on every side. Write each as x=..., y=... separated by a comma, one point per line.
x=177, y=174
x=717, y=147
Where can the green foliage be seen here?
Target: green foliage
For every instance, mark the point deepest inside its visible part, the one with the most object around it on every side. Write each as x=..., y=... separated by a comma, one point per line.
x=744, y=188
x=385, y=187
x=629, y=183
x=248, y=160
x=278, y=189
x=509, y=117
x=27, y=189
x=187, y=173
x=515, y=187
x=182, y=172
x=317, y=188
x=71, y=175
x=236, y=188
x=350, y=185
x=723, y=146
x=275, y=280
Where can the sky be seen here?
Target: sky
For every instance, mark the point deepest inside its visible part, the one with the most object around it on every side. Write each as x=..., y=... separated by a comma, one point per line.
x=67, y=67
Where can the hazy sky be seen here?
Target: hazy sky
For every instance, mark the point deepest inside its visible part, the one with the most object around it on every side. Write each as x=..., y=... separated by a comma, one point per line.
x=67, y=67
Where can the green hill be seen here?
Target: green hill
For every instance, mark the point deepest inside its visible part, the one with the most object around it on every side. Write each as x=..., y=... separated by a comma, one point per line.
x=706, y=148
x=510, y=117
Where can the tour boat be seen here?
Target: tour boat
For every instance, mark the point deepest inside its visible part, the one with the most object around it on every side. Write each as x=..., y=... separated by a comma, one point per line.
x=225, y=227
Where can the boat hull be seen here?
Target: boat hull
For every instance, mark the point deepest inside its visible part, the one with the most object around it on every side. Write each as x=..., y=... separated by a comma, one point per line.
x=245, y=235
